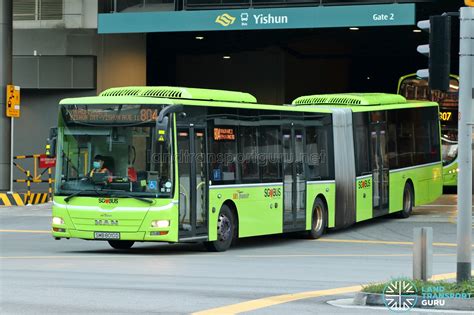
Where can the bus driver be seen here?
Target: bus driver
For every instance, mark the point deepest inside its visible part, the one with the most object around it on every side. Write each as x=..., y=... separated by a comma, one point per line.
x=99, y=168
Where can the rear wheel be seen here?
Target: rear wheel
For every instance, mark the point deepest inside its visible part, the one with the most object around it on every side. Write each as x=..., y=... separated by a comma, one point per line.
x=226, y=231
x=407, y=202
x=319, y=220
x=121, y=244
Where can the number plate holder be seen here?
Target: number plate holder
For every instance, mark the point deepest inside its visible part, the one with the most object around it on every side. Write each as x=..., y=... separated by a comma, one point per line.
x=106, y=235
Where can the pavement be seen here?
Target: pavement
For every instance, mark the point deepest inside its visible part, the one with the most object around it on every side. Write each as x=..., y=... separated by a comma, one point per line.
x=278, y=274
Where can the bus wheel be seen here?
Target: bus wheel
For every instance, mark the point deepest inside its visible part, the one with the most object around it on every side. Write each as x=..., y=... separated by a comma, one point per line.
x=225, y=231
x=407, y=202
x=121, y=244
x=319, y=220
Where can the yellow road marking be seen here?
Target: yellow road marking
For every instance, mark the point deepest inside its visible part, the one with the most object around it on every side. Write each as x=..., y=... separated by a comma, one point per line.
x=333, y=240
x=324, y=240
x=335, y=255
x=207, y=255
x=285, y=298
x=70, y=256
x=26, y=231
x=275, y=300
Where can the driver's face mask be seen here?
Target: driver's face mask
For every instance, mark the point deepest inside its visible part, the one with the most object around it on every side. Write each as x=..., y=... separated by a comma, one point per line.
x=96, y=165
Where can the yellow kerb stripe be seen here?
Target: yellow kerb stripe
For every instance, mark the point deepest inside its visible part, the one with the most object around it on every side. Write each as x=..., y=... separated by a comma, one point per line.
x=285, y=298
x=329, y=240
x=275, y=300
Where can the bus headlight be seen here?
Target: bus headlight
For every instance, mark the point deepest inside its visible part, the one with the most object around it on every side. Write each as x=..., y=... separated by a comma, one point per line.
x=160, y=223
x=58, y=221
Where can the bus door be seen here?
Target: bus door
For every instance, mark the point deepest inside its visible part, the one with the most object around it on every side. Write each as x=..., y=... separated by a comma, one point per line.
x=294, y=184
x=193, y=186
x=380, y=168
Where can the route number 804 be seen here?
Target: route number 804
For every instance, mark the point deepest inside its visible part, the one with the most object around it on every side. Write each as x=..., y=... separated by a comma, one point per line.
x=148, y=114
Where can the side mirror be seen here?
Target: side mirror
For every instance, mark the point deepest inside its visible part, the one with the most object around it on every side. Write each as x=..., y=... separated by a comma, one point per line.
x=163, y=124
x=51, y=142
x=162, y=130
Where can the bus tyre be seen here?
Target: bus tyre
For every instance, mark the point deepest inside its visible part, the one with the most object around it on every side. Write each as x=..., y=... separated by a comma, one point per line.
x=226, y=231
x=319, y=220
x=121, y=244
x=407, y=202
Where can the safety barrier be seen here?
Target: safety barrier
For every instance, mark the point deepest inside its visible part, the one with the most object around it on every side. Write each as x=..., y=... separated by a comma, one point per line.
x=13, y=199
x=16, y=199
x=39, y=161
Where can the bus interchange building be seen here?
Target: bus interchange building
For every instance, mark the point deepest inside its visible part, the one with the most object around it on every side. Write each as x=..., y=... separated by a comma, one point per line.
x=276, y=50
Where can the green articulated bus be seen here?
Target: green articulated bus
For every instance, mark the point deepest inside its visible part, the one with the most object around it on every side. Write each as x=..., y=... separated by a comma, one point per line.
x=197, y=165
x=413, y=87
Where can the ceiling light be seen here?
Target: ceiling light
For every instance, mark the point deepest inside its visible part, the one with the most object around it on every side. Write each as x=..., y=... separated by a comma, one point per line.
x=416, y=31
x=199, y=37
x=226, y=57
x=354, y=28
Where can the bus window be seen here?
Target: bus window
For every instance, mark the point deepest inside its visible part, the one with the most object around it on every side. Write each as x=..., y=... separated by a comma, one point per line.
x=361, y=143
x=317, y=147
x=413, y=137
x=269, y=154
x=405, y=139
x=224, y=154
x=249, y=157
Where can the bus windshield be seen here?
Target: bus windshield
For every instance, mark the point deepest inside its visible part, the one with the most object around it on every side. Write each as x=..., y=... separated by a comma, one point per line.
x=415, y=88
x=450, y=150
x=112, y=149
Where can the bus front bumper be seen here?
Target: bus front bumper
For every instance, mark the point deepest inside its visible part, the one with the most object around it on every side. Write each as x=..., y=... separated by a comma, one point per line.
x=141, y=236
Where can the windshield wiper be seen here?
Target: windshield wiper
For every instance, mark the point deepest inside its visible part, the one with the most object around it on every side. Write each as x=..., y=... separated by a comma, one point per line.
x=77, y=193
x=122, y=193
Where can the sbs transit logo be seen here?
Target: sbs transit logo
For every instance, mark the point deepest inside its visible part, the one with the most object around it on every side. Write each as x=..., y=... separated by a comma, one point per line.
x=400, y=295
x=225, y=19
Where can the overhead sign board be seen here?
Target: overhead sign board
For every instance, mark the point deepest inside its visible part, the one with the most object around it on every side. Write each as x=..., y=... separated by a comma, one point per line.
x=13, y=101
x=258, y=19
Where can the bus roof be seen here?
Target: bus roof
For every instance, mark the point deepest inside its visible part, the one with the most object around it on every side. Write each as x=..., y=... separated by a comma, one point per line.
x=164, y=95
x=181, y=92
x=350, y=99
x=359, y=102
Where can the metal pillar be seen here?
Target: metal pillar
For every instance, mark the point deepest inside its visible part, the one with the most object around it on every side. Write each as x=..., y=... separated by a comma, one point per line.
x=464, y=222
x=422, y=253
x=6, y=15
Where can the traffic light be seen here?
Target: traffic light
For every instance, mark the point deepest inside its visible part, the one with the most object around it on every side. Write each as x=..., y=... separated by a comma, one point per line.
x=469, y=3
x=438, y=51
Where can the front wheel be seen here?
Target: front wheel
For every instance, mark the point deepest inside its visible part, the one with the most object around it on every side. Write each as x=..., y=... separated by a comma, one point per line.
x=407, y=202
x=319, y=220
x=226, y=231
x=121, y=244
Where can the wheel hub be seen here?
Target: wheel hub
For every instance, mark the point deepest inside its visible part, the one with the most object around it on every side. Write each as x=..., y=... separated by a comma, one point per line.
x=318, y=223
x=223, y=228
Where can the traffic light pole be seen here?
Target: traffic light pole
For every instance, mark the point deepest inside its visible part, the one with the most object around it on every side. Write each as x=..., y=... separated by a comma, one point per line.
x=466, y=90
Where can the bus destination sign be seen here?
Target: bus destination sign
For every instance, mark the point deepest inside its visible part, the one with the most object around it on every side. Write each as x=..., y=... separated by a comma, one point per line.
x=124, y=115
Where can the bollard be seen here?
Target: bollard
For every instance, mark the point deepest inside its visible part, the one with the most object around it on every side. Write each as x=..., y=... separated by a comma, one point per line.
x=422, y=253
x=50, y=185
x=28, y=184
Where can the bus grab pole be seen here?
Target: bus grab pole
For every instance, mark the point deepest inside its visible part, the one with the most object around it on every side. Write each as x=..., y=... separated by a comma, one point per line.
x=464, y=220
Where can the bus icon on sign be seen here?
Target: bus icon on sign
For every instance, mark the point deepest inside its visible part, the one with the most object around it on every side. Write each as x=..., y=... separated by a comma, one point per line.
x=244, y=18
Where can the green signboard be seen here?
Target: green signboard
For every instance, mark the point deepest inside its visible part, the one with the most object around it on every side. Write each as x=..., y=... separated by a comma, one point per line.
x=258, y=19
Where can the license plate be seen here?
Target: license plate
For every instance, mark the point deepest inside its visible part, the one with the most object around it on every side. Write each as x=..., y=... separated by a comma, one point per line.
x=106, y=235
